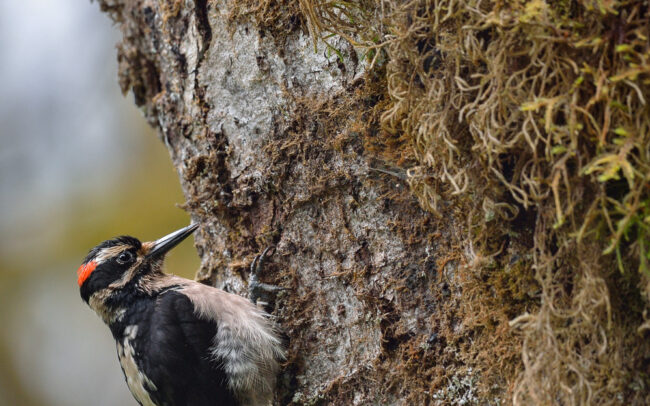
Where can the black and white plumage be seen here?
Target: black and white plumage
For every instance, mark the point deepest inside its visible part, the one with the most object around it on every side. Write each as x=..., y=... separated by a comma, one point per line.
x=179, y=342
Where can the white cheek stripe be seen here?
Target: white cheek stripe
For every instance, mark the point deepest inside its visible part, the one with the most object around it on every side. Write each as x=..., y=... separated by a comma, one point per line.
x=109, y=252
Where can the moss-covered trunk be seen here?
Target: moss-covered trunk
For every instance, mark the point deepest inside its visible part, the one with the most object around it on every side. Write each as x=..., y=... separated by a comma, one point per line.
x=271, y=140
x=498, y=290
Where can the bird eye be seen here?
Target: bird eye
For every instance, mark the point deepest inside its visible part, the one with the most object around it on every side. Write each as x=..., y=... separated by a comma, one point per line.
x=124, y=257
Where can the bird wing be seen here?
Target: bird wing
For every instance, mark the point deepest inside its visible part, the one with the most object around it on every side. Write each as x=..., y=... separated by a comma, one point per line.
x=247, y=343
x=178, y=358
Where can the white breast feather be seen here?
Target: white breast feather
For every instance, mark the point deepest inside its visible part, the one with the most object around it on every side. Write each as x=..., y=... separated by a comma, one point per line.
x=135, y=379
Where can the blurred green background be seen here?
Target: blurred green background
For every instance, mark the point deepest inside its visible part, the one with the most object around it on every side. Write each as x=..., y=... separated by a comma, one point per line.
x=78, y=165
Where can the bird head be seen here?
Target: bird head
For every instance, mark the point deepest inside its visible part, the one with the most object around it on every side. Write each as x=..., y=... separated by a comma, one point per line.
x=116, y=266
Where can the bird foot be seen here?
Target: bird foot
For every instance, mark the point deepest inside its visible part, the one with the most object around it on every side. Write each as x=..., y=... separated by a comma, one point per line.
x=257, y=289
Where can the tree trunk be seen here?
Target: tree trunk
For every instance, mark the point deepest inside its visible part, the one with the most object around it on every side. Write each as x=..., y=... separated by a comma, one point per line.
x=525, y=128
x=275, y=144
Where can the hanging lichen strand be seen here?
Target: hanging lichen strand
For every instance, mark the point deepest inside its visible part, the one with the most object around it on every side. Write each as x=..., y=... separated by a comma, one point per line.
x=536, y=114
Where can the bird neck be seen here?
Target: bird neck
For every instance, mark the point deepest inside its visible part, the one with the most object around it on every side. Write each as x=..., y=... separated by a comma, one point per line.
x=136, y=301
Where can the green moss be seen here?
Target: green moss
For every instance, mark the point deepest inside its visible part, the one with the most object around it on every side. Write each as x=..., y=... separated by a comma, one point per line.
x=531, y=116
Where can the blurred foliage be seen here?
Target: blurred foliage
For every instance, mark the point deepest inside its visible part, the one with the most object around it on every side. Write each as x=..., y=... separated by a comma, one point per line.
x=139, y=198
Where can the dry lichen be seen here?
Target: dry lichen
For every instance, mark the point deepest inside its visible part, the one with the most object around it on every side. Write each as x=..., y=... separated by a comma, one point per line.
x=536, y=113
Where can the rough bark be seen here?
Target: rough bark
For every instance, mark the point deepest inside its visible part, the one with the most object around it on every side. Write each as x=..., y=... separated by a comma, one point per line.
x=271, y=143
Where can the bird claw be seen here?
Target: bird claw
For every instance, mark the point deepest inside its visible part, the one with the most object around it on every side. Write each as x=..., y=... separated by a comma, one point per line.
x=257, y=289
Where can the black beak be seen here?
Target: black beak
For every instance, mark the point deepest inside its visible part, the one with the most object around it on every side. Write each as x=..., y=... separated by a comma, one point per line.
x=162, y=245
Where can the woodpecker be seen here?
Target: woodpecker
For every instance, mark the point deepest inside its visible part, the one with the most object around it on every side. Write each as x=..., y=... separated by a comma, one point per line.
x=179, y=342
